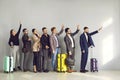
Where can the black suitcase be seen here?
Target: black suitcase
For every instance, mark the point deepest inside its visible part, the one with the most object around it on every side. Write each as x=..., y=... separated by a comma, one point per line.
x=93, y=65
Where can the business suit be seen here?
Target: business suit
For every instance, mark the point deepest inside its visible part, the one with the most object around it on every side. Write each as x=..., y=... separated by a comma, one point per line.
x=85, y=42
x=26, y=50
x=55, y=45
x=69, y=46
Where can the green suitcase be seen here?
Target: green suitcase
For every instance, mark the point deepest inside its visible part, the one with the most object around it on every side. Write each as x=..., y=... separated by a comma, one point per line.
x=8, y=64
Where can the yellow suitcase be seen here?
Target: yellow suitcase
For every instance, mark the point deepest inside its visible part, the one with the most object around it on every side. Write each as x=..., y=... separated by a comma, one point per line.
x=61, y=65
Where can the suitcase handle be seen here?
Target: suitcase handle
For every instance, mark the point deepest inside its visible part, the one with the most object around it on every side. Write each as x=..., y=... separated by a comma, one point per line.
x=91, y=51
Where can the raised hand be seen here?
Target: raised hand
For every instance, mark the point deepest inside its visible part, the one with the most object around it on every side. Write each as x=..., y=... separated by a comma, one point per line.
x=100, y=29
x=62, y=26
x=78, y=27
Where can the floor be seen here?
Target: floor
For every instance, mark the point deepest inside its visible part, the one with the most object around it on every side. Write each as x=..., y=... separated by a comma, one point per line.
x=101, y=75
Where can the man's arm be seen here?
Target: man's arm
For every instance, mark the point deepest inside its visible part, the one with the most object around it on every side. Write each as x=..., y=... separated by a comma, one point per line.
x=61, y=31
x=78, y=29
x=51, y=44
x=95, y=32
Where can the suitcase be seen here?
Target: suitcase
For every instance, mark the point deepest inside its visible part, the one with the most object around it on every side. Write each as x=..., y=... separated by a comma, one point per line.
x=93, y=65
x=8, y=64
x=93, y=62
x=61, y=65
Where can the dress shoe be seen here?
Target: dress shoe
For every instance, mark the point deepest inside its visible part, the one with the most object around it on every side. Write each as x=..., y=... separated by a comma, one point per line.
x=73, y=70
x=24, y=70
x=82, y=71
x=14, y=70
x=86, y=71
x=69, y=71
x=40, y=71
x=46, y=71
x=19, y=68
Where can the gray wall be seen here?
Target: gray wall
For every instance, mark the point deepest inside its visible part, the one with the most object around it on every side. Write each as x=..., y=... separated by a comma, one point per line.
x=91, y=13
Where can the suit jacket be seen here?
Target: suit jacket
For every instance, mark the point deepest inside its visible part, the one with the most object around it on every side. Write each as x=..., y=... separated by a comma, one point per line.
x=26, y=43
x=84, y=44
x=53, y=42
x=68, y=41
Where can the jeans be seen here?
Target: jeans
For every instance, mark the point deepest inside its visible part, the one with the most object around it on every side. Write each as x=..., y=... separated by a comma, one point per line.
x=54, y=57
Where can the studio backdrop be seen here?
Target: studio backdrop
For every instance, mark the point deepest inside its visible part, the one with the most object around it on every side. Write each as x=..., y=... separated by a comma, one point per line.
x=49, y=13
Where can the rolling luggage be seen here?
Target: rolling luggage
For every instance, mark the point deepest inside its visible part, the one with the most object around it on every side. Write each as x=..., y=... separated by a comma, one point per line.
x=61, y=65
x=8, y=64
x=93, y=63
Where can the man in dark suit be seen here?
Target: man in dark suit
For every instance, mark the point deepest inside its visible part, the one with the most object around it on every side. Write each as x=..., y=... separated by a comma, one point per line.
x=86, y=42
x=26, y=49
x=70, y=45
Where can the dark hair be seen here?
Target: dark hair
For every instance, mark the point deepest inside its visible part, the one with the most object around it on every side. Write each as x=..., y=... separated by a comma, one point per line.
x=85, y=28
x=33, y=30
x=43, y=28
x=24, y=29
x=53, y=28
x=11, y=31
x=66, y=30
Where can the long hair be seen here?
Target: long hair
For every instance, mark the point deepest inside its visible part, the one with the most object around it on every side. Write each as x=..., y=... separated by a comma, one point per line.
x=11, y=32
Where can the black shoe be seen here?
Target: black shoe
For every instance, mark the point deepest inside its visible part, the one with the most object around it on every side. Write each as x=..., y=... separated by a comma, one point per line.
x=14, y=70
x=82, y=71
x=19, y=68
x=24, y=70
x=46, y=71
x=86, y=71
x=55, y=70
x=39, y=70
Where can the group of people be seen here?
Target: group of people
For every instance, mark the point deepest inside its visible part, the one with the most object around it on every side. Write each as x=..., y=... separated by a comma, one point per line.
x=47, y=46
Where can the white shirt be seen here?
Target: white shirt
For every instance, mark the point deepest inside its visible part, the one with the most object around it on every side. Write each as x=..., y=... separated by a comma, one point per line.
x=86, y=36
x=71, y=40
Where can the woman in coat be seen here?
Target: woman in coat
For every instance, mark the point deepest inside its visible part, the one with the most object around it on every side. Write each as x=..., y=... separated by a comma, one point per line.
x=36, y=49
